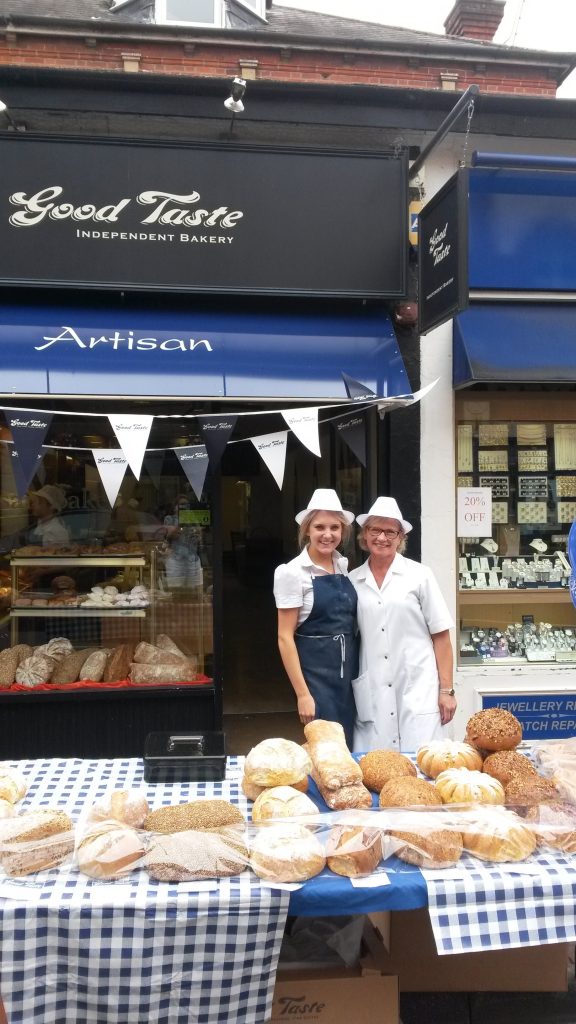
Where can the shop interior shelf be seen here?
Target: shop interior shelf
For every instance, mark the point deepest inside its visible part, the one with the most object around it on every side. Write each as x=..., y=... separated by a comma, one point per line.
x=80, y=560
x=66, y=613
x=512, y=595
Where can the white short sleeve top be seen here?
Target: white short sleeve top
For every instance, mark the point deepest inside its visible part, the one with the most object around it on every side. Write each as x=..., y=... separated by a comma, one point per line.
x=293, y=581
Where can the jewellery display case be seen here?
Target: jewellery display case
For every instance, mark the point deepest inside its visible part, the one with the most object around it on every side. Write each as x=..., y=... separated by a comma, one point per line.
x=514, y=603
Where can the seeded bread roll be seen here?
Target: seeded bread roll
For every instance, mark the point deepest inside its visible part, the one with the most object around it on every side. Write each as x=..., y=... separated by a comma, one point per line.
x=528, y=791
x=429, y=849
x=198, y=815
x=379, y=766
x=462, y=786
x=94, y=666
x=109, y=851
x=189, y=855
x=286, y=853
x=493, y=729
x=128, y=806
x=68, y=669
x=496, y=834
x=282, y=802
x=276, y=762
x=439, y=755
x=353, y=852
x=35, y=841
x=13, y=785
x=118, y=663
x=505, y=765
x=409, y=792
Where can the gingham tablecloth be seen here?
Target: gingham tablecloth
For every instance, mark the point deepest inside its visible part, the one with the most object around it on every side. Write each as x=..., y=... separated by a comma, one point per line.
x=76, y=951
x=480, y=906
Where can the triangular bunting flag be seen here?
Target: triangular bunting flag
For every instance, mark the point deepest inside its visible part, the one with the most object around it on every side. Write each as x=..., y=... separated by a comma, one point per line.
x=132, y=433
x=356, y=391
x=304, y=424
x=153, y=462
x=21, y=480
x=111, y=465
x=28, y=432
x=216, y=430
x=352, y=429
x=194, y=461
x=272, y=448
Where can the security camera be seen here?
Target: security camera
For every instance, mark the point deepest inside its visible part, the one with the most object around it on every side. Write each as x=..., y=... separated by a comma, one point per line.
x=234, y=101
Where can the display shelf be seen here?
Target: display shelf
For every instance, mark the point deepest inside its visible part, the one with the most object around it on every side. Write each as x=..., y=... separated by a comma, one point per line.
x=80, y=561
x=511, y=595
x=66, y=613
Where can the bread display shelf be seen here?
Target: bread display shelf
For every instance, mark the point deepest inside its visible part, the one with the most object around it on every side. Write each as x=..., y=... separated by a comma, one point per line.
x=511, y=595
x=53, y=611
x=80, y=560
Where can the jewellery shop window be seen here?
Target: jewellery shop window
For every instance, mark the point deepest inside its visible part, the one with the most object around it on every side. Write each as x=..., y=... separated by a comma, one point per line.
x=513, y=584
x=105, y=565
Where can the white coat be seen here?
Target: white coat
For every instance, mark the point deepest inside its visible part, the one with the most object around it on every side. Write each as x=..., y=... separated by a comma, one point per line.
x=396, y=691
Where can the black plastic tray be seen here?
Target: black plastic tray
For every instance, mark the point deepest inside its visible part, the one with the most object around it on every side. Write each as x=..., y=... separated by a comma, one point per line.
x=184, y=757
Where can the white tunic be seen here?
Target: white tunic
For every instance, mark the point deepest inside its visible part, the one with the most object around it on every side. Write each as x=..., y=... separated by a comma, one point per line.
x=396, y=692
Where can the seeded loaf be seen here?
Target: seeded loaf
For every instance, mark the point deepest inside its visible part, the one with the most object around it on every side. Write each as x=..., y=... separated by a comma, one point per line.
x=68, y=670
x=185, y=856
x=198, y=815
x=493, y=729
x=35, y=841
x=379, y=766
x=440, y=848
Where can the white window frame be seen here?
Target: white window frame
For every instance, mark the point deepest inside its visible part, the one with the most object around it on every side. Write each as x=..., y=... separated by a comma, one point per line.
x=258, y=7
x=219, y=22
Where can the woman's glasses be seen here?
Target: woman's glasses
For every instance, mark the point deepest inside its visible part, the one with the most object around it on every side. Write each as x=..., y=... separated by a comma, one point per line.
x=374, y=532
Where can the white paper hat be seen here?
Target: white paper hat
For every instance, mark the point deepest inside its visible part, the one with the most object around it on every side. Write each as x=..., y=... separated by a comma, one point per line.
x=385, y=508
x=53, y=495
x=324, y=499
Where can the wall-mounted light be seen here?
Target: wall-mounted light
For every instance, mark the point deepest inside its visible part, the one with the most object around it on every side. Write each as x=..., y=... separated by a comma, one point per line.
x=12, y=125
x=234, y=102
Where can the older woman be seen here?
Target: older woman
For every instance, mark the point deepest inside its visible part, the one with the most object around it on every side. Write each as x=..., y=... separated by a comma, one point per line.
x=317, y=615
x=404, y=692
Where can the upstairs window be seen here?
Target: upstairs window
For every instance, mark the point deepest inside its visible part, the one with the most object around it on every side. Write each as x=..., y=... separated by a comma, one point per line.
x=191, y=12
x=257, y=6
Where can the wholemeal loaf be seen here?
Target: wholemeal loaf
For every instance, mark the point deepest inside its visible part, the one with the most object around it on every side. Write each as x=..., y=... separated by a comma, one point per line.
x=379, y=766
x=494, y=729
x=35, y=841
x=154, y=675
x=68, y=668
x=461, y=785
x=333, y=762
x=438, y=848
x=128, y=806
x=439, y=755
x=504, y=765
x=409, y=792
x=93, y=668
x=282, y=802
x=276, y=762
x=118, y=663
x=109, y=850
x=198, y=815
x=527, y=791
x=8, y=665
x=353, y=851
x=286, y=853
x=186, y=856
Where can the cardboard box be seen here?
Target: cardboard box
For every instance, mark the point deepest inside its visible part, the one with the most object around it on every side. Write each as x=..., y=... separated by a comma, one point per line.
x=412, y=956
x=362, y=995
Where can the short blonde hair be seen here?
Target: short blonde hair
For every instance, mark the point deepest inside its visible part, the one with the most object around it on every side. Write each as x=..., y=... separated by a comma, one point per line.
x=362, y=536
x=304, y=527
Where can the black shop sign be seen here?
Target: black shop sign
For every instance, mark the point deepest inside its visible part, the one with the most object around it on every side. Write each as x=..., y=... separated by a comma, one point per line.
x=443, y=254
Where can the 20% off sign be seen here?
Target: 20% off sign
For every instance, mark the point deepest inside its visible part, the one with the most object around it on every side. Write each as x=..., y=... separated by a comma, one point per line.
x=474, y=512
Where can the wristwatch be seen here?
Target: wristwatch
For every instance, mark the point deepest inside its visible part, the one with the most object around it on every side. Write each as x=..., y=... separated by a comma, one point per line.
x=451, y=693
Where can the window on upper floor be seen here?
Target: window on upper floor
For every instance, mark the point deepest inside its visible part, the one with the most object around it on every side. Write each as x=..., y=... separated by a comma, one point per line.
x=191, y=12
x=257, y=6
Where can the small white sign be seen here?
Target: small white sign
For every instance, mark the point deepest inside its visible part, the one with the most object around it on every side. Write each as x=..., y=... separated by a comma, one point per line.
x=474, y=512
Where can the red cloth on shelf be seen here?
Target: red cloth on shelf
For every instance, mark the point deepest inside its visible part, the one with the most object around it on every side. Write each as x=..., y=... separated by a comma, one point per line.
x=87, y=684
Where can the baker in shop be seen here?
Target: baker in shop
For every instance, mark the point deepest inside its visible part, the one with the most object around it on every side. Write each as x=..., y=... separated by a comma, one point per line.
x=404, y=693
x=45, y=505
x=317, y=614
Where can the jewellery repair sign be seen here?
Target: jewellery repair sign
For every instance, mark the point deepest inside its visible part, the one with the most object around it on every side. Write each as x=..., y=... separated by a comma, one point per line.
x=543, y=716
x=221, y=218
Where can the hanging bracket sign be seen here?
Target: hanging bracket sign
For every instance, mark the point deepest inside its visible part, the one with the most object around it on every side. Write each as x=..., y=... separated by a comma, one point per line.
x=443, y=254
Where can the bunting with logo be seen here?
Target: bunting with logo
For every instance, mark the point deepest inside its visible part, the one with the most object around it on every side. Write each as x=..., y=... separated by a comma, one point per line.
x=352, y=429
x=304, y=424
x=356, y=391
x=194, y=462
x=132, y=433
x=272, y=449
x=28, y=432
x=216, y=430
x=111, y=465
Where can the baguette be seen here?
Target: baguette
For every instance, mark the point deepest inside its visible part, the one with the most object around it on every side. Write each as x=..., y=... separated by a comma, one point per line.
x=333, y=762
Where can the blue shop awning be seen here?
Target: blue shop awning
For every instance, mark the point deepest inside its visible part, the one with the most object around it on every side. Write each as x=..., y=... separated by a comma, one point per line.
x=51, y=350
x=516, y=344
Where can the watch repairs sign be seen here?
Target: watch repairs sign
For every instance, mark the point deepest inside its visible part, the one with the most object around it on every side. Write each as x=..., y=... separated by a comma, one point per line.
x=543, y=716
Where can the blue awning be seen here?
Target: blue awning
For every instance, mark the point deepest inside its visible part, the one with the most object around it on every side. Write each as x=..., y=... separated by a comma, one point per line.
x=158, y=352
x=517, y=344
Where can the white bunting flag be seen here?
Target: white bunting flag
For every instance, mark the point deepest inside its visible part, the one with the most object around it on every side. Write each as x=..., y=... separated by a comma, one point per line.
x=111, y=465
x=304, y=423
x=132, y=433
x=272, y=448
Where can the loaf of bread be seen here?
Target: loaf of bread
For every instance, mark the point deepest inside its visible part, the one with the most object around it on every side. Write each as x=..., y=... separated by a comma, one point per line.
x=282, y=802
x=94, y=666
x=186, y=856
x=252, y=791
x=379, y=766
x=68, y=669
x=7, y=809
x=554, y=824
x=35, y=841
x=165, y=643
x=10, y=658
x=58, y=647
x=346, y=797
x=147, y=654
x=440, y=848
x=154, y=675
x=198, y=816
x=128, y=806
x=409, y=792
x=463, y=786
x=276, y=762
x=35, y=670
x=330, y=756
x=494, y=729
x=118, y=663
x=286, y=853
x=527, y=791
x=353, y=851
x=439, y=755
x=504, y=765
x=13, y=785
x=496, y=834
x=109, y=850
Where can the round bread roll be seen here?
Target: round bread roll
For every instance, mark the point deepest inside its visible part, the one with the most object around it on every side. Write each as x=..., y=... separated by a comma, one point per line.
x=251, y=790
x=527, y=791
x=440, y=848
x=379, y=766
x=35, y=841
x=496, y=834
x=185, y=856
x=282, y=802
x=13, y=785
x=198, y=815
x=439, y=755
x=462, y=786
x=109, y=851
x=554, y=824
x=286, y=853
x=494, y=729
x=504, y=765
x=276, y=762
x=353, y=852
x=126, y=805
x=409, y=792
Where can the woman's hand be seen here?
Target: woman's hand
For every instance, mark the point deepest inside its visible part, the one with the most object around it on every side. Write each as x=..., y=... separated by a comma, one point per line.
x=306, y=709
x=447, y=706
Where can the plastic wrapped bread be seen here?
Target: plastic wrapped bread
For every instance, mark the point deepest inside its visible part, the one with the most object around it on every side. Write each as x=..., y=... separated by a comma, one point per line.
x=148, y=654
x=94, y=666
x=166, y=643
x=153, y=675
x=35, y=841
x=333, y=763
x=354, y=852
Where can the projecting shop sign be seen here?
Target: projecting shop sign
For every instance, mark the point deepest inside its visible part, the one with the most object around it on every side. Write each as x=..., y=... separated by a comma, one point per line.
x=544, y=716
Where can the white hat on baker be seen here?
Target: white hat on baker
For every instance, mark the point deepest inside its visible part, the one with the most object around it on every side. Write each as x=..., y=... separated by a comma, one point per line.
x=385, y=508
x=324, y=499
x=52, y=494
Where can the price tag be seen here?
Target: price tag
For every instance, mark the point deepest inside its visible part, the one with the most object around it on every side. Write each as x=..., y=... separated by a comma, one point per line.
x=474, y=512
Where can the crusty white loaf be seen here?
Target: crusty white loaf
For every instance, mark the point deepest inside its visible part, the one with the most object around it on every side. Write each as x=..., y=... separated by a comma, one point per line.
x=129, y=806
x=286, y=853
x=276, y=762
x=282, y=802
x=333, y=762
x=109, y=850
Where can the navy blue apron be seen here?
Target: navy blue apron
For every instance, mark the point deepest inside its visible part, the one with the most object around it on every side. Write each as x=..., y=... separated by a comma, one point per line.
x=327, y=646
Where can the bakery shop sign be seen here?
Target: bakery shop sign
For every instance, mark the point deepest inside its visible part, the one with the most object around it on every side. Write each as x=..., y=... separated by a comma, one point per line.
x=201, y=218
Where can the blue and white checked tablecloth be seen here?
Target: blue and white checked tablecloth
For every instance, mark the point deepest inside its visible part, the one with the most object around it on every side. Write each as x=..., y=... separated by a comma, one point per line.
x=152, y=952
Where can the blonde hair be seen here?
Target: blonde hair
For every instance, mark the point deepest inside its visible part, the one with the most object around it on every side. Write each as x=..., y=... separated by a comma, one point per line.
x=304, y=527
x=362, y=536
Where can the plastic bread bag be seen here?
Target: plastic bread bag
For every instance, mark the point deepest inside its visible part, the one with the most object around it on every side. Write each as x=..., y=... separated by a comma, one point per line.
x=35, y=841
